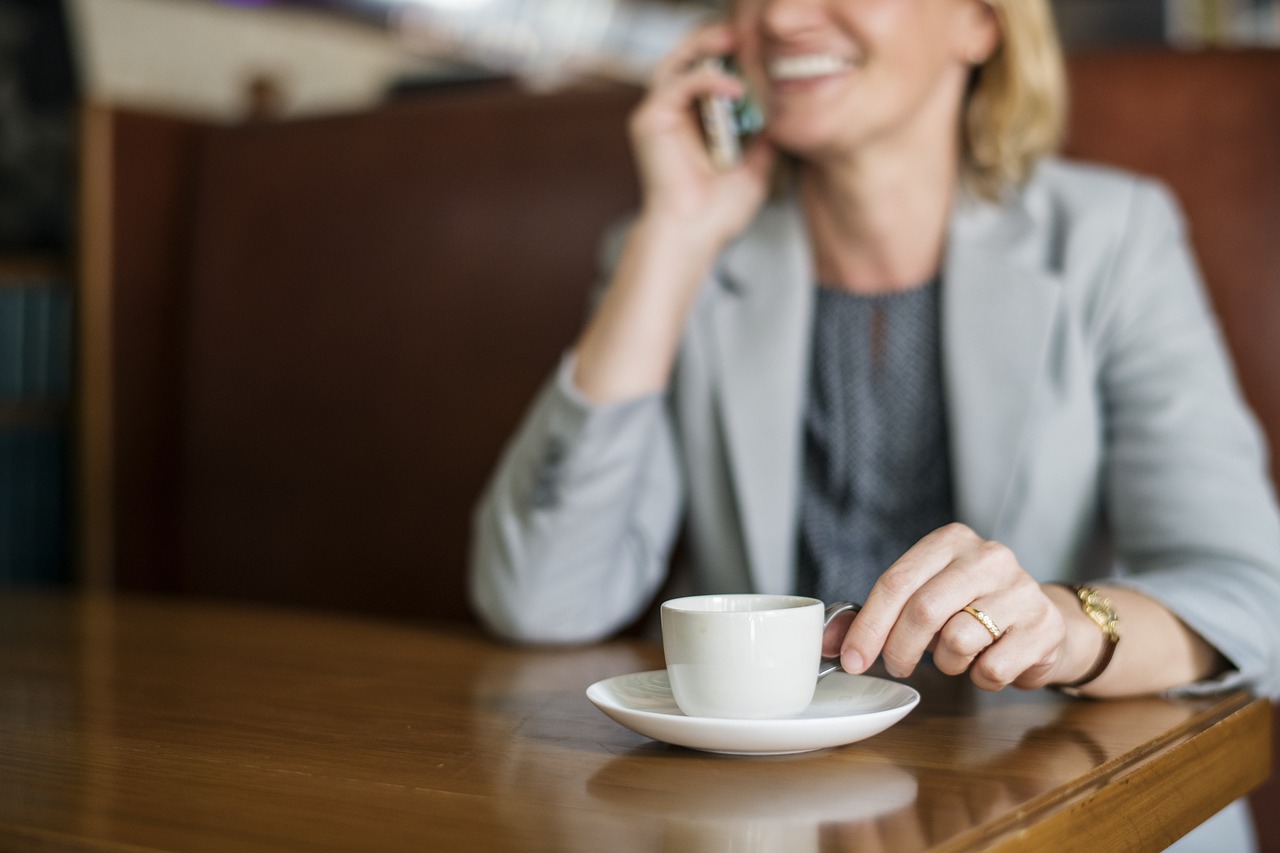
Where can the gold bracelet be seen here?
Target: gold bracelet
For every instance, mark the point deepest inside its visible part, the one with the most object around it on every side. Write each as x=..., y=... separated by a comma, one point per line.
x=1098, y=608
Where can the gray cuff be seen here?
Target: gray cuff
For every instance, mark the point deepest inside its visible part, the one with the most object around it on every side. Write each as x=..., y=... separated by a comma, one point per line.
x=585, y=439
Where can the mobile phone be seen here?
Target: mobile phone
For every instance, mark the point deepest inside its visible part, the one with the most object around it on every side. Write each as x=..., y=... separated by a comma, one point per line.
x=726, y=120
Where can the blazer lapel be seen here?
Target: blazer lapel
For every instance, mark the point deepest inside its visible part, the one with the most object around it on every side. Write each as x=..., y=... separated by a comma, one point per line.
x=762, y=347
x=1000, y=298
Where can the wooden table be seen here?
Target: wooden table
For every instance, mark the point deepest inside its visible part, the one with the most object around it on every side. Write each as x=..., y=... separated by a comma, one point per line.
x=150, y=724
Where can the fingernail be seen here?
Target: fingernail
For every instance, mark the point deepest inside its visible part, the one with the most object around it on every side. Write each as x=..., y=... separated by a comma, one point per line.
x=851, y=661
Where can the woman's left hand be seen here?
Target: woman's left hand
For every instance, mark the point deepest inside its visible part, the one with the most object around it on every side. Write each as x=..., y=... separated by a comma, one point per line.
x=919, y=603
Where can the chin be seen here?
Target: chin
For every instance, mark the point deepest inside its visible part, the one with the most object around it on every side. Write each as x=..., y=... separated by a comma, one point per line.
x=806, y=145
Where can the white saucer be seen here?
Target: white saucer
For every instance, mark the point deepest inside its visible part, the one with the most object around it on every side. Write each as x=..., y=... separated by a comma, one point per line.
x=845, y=708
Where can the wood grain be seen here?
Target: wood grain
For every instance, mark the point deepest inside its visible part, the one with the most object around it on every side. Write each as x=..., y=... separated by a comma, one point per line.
x=153, y=724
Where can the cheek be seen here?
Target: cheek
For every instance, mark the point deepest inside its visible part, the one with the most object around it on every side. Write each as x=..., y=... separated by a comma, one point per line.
x=910, y=75
x=905, y=37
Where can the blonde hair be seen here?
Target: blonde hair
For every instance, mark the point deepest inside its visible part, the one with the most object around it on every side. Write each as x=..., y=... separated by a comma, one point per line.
x=1015, y=110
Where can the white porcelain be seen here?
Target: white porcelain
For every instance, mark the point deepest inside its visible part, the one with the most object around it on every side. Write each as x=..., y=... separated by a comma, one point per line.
x=742, y=656
x=845, y=708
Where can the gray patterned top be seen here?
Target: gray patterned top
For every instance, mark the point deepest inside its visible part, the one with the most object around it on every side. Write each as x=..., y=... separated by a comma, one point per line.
x=876, y=469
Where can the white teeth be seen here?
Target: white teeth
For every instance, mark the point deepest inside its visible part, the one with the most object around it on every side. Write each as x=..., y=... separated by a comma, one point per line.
x=809, y=65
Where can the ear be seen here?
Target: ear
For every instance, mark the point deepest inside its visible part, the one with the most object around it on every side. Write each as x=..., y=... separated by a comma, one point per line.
x=978, y=31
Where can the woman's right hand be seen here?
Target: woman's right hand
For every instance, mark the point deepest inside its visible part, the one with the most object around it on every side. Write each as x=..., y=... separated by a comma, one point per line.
x=690, y=210
x=679, y=183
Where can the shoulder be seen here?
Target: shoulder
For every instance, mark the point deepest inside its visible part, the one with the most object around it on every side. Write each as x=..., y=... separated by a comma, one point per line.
x=1077, y=180
x=1088, y=225
x=1117, y=243
x=1100, y=203
x=1111, y=241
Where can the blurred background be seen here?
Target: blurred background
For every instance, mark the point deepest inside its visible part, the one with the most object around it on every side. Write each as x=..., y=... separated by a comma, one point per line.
x=102, y=226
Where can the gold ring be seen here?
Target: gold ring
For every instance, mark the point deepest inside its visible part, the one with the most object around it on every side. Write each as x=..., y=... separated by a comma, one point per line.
x=987, y=621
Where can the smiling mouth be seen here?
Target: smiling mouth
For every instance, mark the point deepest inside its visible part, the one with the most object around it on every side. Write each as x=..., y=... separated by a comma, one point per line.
x=807, y=66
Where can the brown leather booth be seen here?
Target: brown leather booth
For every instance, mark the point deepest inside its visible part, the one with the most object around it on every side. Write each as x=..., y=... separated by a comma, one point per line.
x=304, y=343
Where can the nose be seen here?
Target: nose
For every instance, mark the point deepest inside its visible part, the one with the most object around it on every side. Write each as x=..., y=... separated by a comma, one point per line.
x=788, y=17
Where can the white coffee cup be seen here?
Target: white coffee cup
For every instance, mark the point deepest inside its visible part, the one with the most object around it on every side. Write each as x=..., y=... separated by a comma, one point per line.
x=746, y=656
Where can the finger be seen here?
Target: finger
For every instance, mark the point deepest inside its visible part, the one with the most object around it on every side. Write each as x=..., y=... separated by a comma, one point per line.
x=758, y=159
x=889, y=596
x=712, y=40
x=980, y=568
x=678, y=92
x=1032, y=669
x=748, y=182
x=1028, y=647
x=961, y=640
x=935, y=605
x=833, y=634
x=669, y=106
x=1037, y=675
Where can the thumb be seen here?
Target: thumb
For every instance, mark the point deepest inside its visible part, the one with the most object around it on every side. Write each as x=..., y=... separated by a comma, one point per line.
x=759, y=159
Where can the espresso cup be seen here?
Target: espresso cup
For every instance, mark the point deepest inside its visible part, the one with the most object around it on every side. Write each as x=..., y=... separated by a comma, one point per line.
x=747, y=656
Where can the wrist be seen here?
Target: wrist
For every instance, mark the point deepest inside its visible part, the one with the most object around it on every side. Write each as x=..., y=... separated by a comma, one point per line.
x=690, y=244
x=704, y=229
x=1082, y=640
x=1092, y=631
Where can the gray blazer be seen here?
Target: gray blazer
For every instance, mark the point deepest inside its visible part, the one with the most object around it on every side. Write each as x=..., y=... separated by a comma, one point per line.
x=1095, y=423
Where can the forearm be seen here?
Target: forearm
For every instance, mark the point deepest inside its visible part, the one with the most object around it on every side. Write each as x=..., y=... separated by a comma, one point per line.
x=1156, y=652
x=628, y=347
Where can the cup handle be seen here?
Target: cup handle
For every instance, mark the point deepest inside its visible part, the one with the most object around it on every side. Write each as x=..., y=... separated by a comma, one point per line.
x=827, y=665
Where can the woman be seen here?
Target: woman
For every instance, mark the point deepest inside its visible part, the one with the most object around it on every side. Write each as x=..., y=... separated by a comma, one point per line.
x=939, y=371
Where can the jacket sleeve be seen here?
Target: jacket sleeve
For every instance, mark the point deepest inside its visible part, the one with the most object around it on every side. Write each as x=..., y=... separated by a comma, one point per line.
x=572, y=535
x=1188, y=496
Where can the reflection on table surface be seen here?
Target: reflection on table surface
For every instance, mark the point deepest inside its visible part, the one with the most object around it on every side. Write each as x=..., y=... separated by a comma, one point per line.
x=175, y=725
